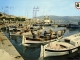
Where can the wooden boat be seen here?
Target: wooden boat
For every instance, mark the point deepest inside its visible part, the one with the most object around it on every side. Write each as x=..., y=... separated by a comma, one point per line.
x=28, y=39
x=10, y=28
x=15, y=32
x=64, y=46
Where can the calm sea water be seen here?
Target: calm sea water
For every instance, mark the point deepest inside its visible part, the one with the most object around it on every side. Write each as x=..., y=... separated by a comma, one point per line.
x=34, y=53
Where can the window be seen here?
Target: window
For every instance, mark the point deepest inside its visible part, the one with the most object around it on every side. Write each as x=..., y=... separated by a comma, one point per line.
x=67, y=40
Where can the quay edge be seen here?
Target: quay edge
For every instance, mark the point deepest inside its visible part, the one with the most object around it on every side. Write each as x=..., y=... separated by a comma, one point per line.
x=7, y=46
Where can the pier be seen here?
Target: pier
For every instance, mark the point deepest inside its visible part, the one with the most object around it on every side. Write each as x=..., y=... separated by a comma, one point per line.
x=7, y=46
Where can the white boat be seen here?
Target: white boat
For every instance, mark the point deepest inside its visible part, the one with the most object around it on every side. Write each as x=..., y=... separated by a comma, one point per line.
x=28, y=39
x=15, y=32
x=64, y=46
x=10, y=28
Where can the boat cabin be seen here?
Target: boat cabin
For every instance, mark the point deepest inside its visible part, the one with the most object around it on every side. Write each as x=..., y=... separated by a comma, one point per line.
x=73, y=39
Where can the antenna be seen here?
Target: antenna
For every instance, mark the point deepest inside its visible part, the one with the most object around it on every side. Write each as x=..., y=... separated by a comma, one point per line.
x=6, y=10
x=35, y=9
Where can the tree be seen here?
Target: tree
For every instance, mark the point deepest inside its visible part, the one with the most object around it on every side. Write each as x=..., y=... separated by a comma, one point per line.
x=0, y=14
x=23, y=19
x=17, y=19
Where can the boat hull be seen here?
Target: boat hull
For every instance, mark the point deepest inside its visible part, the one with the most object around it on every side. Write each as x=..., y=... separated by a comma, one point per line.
x=73, y=26
x=49, y=53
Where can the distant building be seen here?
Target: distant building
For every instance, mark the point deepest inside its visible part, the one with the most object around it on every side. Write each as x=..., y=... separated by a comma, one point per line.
x=6, y=17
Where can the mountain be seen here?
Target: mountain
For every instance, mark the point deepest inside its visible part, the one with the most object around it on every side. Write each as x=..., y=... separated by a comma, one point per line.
x=52, y=17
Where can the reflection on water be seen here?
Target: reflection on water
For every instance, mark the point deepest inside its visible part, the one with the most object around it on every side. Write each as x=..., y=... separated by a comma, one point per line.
x=34, y=53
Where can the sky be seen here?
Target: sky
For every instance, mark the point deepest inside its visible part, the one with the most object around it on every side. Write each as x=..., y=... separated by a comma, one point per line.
x=43, y=7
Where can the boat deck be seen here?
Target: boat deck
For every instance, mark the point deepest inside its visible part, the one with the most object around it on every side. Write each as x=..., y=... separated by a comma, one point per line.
x=60, y=46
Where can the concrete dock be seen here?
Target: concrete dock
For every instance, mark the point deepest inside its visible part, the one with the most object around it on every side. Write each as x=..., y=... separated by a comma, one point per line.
x=7, y=46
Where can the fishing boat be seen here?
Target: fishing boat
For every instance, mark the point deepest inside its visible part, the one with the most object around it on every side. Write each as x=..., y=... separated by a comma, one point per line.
x=46, y=22
x=63, y=46
x=74, y=25
x=30, y=39
x=15, y=32
x=10, y=28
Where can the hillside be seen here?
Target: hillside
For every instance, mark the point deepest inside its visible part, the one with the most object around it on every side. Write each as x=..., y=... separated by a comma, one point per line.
x=52, y=17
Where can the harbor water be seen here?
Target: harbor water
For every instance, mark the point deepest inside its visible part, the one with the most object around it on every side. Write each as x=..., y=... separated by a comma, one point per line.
x=34, y=53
